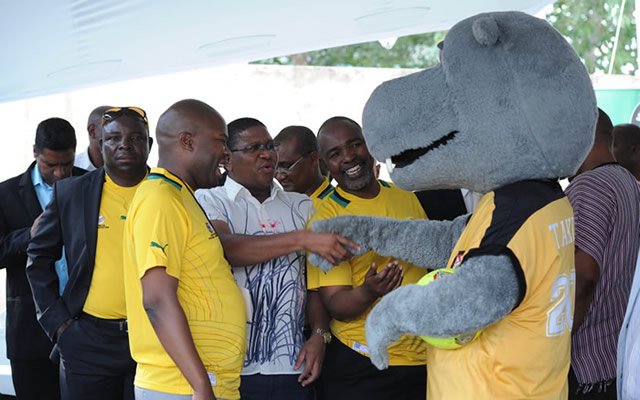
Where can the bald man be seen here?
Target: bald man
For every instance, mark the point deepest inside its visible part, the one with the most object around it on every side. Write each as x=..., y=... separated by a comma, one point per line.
x=88, y=321
x=92, y=158
x=186, y=313
x=626, y=147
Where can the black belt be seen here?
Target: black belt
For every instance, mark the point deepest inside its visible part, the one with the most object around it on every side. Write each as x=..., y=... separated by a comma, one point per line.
x=119, y=325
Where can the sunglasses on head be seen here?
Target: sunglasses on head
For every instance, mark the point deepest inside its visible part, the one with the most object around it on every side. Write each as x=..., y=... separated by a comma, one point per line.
x=114, y=113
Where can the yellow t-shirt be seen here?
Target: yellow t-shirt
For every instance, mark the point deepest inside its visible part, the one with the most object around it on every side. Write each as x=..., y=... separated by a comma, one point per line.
x=391, y=202
x=166, y=227
x=525, y=355
x=106, y=292
x=321, y=193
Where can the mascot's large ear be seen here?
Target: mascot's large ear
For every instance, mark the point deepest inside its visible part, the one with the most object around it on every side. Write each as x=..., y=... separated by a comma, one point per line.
x=486, y=31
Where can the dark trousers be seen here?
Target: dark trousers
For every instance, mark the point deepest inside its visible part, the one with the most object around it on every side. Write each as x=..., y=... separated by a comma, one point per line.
x=349, y=375
x=95, y=361
x=597, y=393
x=35, y=379
x=273, y=387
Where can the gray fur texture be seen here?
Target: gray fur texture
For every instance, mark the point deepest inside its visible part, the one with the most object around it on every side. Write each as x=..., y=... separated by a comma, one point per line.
x=522, y=107
x=415, y=241
x=510, y=101
x=487, y=290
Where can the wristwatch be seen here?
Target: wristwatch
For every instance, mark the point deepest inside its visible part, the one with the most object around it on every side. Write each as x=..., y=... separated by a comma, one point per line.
x=324, y=333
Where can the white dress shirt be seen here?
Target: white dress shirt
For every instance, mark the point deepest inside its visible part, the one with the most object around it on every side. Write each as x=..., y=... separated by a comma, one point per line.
x=274, y=290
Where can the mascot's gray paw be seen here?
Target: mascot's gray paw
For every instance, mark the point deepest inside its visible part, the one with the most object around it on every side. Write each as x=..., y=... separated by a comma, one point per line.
x=348, y=226
x=320, y=262
x=381, y=331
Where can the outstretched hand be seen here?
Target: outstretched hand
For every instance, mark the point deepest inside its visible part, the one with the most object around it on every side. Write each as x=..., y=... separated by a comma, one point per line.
x=377, y=284
x=330, y=246
x=345, y=226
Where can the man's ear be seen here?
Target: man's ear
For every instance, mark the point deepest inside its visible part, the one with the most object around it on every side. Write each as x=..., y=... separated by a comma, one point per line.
x=150, y=143
x=186, y=141
x=314, y=158
x=228, y=166
x=35, y=151
x=92, y=131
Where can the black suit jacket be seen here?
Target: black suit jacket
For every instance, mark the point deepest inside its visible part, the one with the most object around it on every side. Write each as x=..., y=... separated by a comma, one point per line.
x=70, y=218
x=19, y=207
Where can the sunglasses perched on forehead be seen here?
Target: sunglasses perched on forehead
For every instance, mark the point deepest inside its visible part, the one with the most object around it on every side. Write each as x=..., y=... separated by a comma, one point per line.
x=112, y=114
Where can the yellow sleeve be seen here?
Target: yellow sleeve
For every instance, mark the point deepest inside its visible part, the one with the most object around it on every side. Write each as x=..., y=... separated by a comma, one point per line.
x=159, y=231
x=337, y=276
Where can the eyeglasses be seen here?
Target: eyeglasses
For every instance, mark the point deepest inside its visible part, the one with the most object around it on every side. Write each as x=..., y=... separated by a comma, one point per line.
x=287, y=171
x=254, y=148
x=114, y=113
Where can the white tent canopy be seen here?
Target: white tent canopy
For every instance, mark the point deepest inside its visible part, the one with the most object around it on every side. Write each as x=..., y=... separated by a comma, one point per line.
x=55, y=46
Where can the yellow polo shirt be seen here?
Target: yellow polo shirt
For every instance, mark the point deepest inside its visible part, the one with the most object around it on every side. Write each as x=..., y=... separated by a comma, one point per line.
x=321, y=193
x=391, y=202
x=166, y=227
x=106, y=297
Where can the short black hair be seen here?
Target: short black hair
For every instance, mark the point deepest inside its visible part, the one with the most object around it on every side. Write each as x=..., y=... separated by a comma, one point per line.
x=340, y=119
x=604, y=127
x=238, y=126
x=629, y=132
x=304, y=138
x=55, y=134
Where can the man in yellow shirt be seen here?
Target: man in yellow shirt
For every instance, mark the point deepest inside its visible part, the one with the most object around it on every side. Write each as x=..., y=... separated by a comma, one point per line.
x=351, y=289
x=87, y=215
x=298, y=168
x=187, y=315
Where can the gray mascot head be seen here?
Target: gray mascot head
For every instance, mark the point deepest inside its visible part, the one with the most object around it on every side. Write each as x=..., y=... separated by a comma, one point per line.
x=509, y=101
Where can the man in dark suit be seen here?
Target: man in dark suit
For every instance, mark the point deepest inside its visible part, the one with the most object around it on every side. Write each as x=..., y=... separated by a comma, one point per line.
x=22, y=199
x=86, y=216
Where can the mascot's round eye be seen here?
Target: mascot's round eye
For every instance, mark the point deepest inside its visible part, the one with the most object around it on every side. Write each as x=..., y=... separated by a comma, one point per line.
x=451, y=343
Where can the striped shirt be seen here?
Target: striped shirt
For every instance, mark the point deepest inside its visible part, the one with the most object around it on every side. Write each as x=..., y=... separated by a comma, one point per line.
x=606, y=203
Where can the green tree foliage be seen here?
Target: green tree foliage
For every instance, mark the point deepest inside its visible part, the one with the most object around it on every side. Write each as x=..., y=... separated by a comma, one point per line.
x=590, y=27
x=415, y=51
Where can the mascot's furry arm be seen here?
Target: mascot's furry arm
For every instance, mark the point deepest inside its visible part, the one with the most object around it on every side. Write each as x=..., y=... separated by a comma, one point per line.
x=484, y=289
x=421, y=242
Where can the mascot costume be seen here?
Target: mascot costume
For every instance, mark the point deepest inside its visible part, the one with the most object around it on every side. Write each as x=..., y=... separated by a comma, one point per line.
x=508, y=111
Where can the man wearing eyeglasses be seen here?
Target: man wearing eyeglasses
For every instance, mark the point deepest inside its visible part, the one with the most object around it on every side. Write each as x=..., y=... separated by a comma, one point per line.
x=298, y=168
x=87, y=322
x=262, y=230
x=22, y=199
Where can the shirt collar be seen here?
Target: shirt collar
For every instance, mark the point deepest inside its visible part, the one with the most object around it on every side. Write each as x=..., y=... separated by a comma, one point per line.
x=234, y=189
x=36, y=177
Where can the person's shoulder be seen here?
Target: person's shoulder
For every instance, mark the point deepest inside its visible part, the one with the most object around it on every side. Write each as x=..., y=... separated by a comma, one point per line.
x=72, y=182
x=77, y=171
x=397, y=192
x=13, y=182
x=604, y=179
x=217, y=193
x=293, y=196
x=331, y=206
